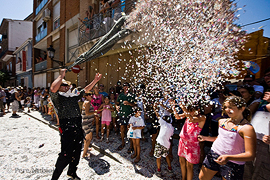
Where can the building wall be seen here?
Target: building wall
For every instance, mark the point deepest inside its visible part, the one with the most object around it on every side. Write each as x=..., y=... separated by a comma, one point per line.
x=19, y=32
x=256, y=50
x=113, y=67
x=4, y=31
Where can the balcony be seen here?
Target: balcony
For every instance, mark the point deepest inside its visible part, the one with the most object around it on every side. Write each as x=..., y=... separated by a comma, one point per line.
x=41, y=66
x=19, y=68
x=41, y=35
x=40, y=6
x=99, y=25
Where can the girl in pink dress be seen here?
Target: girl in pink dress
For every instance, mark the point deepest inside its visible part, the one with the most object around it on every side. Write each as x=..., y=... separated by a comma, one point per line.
x=189, y=148
x=96, y=102
x=106, y=118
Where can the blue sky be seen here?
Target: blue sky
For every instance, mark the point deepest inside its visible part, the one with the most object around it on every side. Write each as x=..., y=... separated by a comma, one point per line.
x=255, y=10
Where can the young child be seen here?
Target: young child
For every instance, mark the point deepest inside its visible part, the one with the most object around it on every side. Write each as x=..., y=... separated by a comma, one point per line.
x=28, y=103
x=189, y=148
x=136, y=125
x=163, y=143
x=114, y=113
x=106, y=118
x=51, y=110
x=234, y=145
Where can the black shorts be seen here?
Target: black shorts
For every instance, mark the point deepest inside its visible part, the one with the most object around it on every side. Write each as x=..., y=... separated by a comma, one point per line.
x=123, y=120
x=229, y=171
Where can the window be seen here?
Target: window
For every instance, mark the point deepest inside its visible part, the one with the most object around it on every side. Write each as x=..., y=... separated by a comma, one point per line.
x=56, y=24
x=56, y=16
x=72, y=44
x=39, y=29
x=26, y=53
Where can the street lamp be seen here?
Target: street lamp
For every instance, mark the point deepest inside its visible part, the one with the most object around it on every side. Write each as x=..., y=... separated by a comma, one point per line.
x=51, y=52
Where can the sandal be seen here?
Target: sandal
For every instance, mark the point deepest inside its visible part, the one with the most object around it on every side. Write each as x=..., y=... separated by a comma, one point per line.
x=120, y=147
x=130, y=150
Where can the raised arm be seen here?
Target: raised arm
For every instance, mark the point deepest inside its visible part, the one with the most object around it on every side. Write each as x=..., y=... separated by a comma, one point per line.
x=176, y=115
x=192, y=118
x=155, y=108
x=58, y=81
x=92, y=84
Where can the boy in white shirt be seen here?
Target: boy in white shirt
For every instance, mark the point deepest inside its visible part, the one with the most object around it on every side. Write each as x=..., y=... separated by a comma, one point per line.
x=163, y=142
x=136, y=125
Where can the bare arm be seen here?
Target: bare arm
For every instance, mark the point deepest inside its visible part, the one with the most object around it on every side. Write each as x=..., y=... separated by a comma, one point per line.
x=139, y=127
x=106, y=6
x=253, y=107
x=155, y=108
x=176, y=115
x=115, y=3
x=87, y=107
x=58, y=81
x=111, y=108
x=100, y=108
x=92, y=84
x=129, y=103
x=206, y=138
x=192, y=118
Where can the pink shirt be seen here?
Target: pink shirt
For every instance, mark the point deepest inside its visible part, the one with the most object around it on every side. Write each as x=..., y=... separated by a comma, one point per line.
x=229, y=142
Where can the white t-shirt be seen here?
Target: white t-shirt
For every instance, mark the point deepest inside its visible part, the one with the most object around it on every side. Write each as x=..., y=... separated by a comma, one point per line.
x=162, y=112
x=136, y=122
x=140, y=105
x=165, y=133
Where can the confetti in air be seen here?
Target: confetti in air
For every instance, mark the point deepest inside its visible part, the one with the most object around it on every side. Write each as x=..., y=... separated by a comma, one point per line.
x=187, y=45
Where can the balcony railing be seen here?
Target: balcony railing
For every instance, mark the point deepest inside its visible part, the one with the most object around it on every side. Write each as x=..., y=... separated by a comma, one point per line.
x=41, y=35
x=40, y=6
x=100, y=24
x=18, y=67
x=41, y=66
x=3, y=53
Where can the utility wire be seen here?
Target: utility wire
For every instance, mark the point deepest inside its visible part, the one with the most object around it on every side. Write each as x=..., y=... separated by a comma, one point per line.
x=255, y=22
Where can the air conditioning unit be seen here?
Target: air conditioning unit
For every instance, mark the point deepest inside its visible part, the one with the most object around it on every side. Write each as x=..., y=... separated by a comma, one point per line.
x=46, y=15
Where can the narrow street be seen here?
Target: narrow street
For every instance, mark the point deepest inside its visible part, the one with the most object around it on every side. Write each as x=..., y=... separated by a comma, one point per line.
x=29, y=149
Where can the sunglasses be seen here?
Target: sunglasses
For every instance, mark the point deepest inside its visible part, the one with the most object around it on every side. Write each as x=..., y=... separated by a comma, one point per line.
x=64, y=85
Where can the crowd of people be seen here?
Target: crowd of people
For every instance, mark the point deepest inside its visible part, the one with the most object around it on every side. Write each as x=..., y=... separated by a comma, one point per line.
x=224, y=121
x=110, y=11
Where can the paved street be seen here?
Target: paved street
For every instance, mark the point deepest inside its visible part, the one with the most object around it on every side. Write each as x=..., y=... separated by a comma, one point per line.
x=21, y=156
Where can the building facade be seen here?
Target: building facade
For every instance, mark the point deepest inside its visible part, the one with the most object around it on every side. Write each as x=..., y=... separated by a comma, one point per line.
x=23, y=58
x=55, y=24
x=13, y=34
x=116, y=65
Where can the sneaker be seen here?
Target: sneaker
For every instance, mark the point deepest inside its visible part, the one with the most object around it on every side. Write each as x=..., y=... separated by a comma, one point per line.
x=169, y=170
x=158, y=173
x=74, y=177
x=107, y=140
x=101, y=138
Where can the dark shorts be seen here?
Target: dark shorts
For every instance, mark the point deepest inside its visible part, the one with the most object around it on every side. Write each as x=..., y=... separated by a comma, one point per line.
x=229, y=171
x=123, y=120
x=1, y=105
